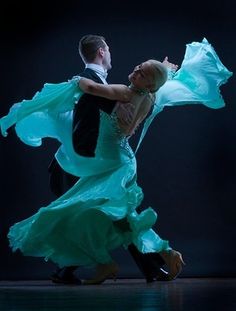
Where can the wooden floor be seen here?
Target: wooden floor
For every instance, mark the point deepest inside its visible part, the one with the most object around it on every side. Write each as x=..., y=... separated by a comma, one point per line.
x=188, y=294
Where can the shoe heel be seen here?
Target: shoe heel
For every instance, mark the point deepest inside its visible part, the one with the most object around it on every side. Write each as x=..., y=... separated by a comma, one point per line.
x=114, y=276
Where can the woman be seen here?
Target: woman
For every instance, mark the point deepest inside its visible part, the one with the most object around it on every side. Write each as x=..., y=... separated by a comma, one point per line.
x=145, y=80
x=98, y=213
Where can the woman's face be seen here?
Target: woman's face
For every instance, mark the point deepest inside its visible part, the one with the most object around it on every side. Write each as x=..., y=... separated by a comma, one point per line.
x=141, y=77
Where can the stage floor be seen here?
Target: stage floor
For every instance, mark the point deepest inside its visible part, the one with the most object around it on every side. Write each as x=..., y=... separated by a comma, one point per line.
x=190, y=294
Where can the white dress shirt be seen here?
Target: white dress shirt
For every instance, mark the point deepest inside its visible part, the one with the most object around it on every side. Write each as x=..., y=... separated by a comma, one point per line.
x=99, y=70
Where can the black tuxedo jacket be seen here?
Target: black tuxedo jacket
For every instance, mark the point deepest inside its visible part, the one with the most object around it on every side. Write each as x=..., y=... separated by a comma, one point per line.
x=86, y=118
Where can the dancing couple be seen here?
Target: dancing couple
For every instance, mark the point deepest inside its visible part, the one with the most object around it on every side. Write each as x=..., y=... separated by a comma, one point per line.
x=94, y=171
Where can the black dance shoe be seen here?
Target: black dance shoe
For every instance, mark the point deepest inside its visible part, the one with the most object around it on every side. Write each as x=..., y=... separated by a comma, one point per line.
x=62, y=276
x=162, y=275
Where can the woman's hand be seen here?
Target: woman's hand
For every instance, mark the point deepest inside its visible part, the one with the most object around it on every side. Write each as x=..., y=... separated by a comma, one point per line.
x=169, y=65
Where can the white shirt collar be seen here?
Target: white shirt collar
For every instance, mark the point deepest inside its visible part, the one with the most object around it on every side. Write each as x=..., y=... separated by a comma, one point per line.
x=98, y=69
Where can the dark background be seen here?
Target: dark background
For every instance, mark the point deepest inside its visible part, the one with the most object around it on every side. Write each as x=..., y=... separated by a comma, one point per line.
x=187, y=162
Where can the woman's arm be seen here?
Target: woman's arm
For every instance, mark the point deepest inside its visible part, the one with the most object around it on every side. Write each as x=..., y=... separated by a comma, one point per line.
x=118, y=92
x=171, y=68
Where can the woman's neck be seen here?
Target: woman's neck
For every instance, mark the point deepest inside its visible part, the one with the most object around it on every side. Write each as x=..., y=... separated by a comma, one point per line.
x=137, y=90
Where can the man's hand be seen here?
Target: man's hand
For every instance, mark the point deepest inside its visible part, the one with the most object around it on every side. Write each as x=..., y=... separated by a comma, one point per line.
x=125, y=112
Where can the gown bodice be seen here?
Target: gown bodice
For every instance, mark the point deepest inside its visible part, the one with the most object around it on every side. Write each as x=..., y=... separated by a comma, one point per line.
x=112, y=142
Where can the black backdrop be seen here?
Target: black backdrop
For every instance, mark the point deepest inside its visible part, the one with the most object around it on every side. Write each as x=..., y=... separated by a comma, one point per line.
x=186, y=164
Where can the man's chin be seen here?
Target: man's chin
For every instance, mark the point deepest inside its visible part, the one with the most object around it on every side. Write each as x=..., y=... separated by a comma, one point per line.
x=109, y=67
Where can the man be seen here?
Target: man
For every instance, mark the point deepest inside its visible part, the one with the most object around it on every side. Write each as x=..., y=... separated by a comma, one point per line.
x=95, y=53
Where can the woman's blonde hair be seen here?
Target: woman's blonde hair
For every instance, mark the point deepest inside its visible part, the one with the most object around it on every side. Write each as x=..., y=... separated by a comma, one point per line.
x=159, y=75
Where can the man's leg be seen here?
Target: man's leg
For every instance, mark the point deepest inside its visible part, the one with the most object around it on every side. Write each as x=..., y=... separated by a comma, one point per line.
x=149, y=264
x=59, y=180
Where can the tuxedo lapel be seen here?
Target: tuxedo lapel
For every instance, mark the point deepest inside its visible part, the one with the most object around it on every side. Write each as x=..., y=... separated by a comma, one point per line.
x=91, y=74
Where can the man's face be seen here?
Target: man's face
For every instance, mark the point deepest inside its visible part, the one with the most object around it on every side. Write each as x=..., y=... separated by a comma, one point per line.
x=106, y=58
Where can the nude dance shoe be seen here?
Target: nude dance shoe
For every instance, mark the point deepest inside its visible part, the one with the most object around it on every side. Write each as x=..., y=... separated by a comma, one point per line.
x=103, y=271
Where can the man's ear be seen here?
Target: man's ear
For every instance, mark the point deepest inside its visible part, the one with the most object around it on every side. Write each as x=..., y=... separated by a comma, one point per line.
x=101, y=52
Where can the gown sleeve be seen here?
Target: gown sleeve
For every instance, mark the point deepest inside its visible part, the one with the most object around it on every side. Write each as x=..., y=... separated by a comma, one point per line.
x=39, y=117
x=198, y=81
